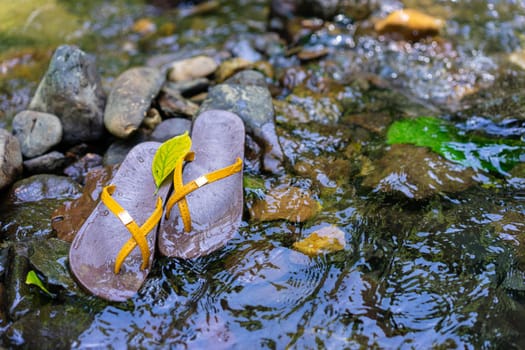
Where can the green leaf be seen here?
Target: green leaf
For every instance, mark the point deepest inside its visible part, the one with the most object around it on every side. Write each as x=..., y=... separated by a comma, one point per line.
x=497, y=155
x=167, y=156
x=33, y=279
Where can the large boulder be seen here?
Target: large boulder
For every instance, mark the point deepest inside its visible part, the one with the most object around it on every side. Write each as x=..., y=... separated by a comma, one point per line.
x=10, y=158
x=71, y=90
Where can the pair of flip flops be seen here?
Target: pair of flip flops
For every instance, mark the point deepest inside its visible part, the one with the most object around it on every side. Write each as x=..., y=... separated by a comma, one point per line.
x=113, y=250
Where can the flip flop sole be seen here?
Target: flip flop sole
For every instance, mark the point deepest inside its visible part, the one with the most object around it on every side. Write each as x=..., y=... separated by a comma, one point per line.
x=95, y=247
x=216, y=208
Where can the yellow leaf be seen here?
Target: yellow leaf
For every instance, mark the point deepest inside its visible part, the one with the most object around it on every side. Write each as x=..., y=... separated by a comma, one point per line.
x=32, y=278
x=167, y=156
x=326, y=240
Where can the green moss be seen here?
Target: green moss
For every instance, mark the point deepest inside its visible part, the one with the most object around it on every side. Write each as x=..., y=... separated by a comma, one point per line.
x=494, y=155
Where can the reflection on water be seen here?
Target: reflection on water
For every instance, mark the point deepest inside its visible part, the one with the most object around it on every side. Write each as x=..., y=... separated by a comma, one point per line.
x=446, y=271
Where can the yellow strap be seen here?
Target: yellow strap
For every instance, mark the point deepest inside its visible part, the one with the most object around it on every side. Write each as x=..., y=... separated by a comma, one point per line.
x=138, y=233
x=180, y=190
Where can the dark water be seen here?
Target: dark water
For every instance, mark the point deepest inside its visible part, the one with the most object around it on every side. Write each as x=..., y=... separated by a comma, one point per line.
x=444, y=272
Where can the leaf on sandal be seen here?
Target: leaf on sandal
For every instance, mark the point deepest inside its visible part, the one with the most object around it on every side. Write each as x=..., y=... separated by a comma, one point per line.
x=32, y=278
x=167, y=156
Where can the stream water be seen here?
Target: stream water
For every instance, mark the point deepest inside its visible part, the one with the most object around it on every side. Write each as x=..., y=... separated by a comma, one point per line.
x=443, y=270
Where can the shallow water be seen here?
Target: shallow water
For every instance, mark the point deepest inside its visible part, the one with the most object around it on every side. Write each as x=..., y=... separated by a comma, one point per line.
x=444, y=272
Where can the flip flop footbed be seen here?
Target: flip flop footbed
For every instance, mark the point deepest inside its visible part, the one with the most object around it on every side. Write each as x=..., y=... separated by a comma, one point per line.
x=216, y=208
x=99, y=240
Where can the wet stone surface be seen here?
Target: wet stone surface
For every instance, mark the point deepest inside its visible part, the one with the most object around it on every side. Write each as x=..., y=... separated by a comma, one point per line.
x=429, y=254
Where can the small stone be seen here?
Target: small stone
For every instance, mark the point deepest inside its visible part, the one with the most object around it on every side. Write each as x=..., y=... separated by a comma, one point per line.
x=289, y=203
x=118, y=150
x=46, y=163
x=312, y=54
x=170, y=128
x=188, y=87
x=71, y=89
x=230, y=67
x=325, y=240
x=152, y=119
x=192, y=68
x=144, y=26
x=173, y=105
x=130, y=98
x=409, y=23
x=78, y=170
x=37, y=132
x=10, y=158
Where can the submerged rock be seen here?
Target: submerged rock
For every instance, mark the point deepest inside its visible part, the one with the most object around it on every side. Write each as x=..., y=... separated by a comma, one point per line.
x=287, y=203
x=48, y=163
x=49, y=327
x=49, y=257
x=417, y=173
x=10, y=158
x=26, y=212
x=71, y=90
x=130, y=98
x=37, y=132
x=254, y=105
x=325, y=240
x=19, y=297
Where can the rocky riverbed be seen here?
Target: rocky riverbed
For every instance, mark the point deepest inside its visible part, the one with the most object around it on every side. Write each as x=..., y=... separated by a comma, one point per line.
x=428, y=249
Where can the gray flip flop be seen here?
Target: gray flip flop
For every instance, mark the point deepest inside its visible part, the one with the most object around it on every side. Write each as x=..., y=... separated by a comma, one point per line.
x=94, y=250
x=216, y=207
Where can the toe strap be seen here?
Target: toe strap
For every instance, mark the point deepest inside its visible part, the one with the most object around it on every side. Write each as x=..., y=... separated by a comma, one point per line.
x=181, y=190
x=138, y=233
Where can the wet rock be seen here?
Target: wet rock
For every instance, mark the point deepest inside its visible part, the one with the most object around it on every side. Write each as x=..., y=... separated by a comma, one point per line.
x=254, y=105
x=39, y=187
x=71, y=90
x=47, y=163
x=3, y=314
x=49, y=257
x=309, y=54
x=325, y=240
x=28, y=206
x=417, y=173
x=172, y=104
x=78, y=170
x=247, y=77
x=230, y=67
x=170, y=128
x=188, y=87
x=67, y=219
x=20, y=299
x=49, y=327
x=285, y=203
x=410, y=24
x=192, y=68
x=10, y=158
x=305, y=106
x=118, y=150
x=152, y=119
x=375, y=122
x=37, y=132
x=130, y=98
